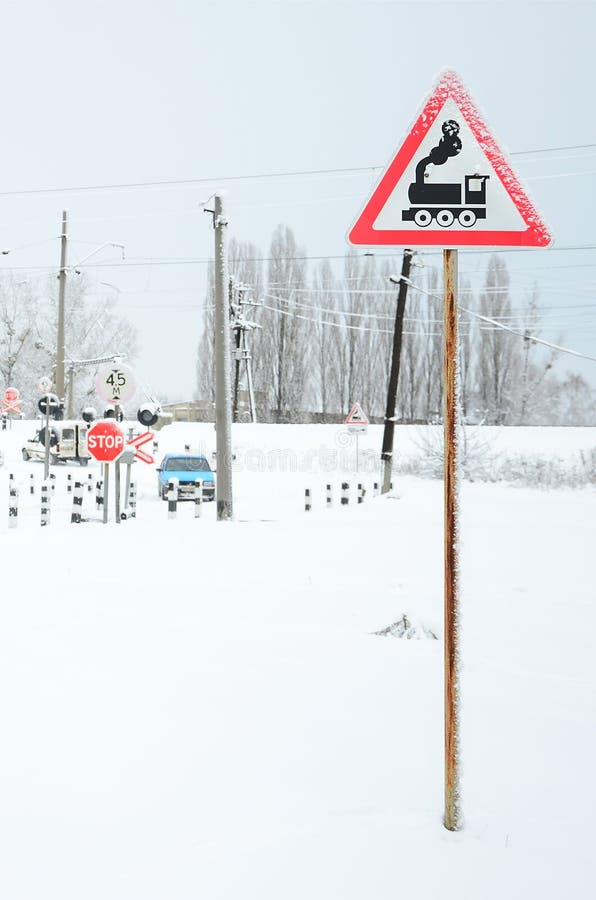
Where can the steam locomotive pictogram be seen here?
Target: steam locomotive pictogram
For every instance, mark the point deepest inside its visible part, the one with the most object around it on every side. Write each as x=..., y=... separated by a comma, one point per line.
x=443, y=202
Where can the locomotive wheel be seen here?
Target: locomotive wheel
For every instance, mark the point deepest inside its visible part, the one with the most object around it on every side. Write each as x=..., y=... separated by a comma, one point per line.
x=445, y=218
x=422, y=218
x=467, y=218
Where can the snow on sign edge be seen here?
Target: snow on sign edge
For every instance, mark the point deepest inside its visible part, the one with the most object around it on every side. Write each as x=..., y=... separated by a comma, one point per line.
x=449, y=84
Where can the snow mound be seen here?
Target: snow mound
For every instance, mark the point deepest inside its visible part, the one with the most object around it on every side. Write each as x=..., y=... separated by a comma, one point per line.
x=409, y=629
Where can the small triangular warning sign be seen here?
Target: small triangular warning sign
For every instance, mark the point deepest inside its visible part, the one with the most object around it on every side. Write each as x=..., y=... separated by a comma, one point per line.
x=449, y=185
x=356, y=416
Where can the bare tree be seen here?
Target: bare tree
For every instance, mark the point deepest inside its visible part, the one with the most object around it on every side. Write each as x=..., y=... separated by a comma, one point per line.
x=324, y=297
x=286, y=335
x=496, y=352
x=28, y=327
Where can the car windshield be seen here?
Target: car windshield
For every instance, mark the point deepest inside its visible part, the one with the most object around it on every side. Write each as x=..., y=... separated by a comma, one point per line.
x=187, y=464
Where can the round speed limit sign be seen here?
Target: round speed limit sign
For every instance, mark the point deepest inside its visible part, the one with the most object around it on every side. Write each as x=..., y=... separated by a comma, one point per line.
x=115, y=384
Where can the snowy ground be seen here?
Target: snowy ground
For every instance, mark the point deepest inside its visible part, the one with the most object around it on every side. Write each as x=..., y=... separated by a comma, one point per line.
x=200, y=709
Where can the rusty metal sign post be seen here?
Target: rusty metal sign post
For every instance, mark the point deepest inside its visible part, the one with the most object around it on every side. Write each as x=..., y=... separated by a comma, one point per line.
x=475, y=201
x=452, y=819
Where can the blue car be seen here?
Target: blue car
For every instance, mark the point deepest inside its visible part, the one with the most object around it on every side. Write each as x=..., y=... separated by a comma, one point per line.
x=187, y=468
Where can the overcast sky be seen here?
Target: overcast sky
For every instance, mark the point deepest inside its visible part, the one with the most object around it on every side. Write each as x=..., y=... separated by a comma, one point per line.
x=122, y=92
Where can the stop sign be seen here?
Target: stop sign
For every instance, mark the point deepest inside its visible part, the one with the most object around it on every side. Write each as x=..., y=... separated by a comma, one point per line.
x=105, y=441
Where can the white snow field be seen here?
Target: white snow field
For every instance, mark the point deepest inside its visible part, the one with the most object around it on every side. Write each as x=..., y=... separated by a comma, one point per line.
x=193, y=709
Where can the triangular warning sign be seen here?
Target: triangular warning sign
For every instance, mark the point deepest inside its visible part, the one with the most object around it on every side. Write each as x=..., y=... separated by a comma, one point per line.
x=356, y=416
x=449, y=185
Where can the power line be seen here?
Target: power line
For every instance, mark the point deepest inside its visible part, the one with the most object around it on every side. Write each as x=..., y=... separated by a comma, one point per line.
x=523, y=334
x=259, y=176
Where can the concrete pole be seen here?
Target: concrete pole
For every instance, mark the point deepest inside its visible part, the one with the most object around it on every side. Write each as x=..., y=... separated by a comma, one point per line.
x=60, y=352
x=223, y=399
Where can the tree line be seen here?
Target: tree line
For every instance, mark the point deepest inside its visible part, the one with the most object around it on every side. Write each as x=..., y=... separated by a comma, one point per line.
x=323, y=341
x=28, y=328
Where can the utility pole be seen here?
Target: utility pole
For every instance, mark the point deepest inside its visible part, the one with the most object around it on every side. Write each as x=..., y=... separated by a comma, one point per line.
x=223, y=400
x=387, y=449
x=70, y=410
x=60, y=351
x=237, y=336
x=241, y=353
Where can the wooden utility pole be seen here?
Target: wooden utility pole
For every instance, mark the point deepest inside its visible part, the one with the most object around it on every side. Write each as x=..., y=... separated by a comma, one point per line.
x=388, y=433
x=223, y=399
x=452, y=818
x=60, y=351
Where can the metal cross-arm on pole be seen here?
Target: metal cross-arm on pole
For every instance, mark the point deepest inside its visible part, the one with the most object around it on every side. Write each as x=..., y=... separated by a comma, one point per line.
x=74, y=364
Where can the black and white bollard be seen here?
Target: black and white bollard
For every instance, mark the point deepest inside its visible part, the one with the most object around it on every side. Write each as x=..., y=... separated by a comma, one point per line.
x=13, y=506
x=198, y=497
x=130, y=510
x=329, y=497
x=45, y=504
x=360, y=494
x=31, y=483
x=99, y=494
x=69, y=483
x=345, y=493
x=89, y=482
x=52, y=482
x=155, y=446
x=375, y=488
x=307, y=503
x=77, y=503
x=172, y=497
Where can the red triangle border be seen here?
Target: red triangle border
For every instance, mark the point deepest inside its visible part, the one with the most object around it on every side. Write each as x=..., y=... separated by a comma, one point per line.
x=449, y=86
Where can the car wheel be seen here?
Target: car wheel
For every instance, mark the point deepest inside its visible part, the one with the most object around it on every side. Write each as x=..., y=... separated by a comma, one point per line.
x=26, y=456
x=83, y=460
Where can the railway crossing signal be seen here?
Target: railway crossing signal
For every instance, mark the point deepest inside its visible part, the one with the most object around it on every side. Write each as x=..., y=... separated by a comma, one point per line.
x=449, y=185
x=11, y=402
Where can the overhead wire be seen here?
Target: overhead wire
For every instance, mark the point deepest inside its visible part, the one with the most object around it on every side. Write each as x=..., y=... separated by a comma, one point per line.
x=523, y=334
x=293, y=173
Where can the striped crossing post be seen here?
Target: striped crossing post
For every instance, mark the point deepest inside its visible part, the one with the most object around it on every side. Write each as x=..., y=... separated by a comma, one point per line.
x=98, y=494
x=375, y=488
x=132, y=500
x=360, y=494
x=329, y=497
x=13, y=506
x=345, y=495
x=45, y=504
x=52, y=482
x=307, y=503
x=69, y=483
x=198, y=497
x=31, y=483
x=89, y=482
x=172, y=497
x=77, y=503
